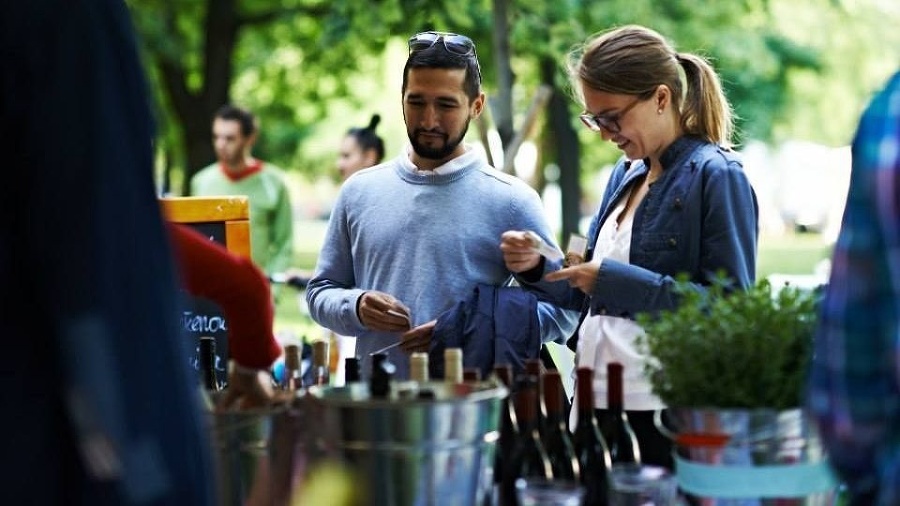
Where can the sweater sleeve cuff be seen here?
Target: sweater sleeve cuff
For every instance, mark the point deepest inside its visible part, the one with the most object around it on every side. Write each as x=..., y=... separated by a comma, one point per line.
x=534, y=274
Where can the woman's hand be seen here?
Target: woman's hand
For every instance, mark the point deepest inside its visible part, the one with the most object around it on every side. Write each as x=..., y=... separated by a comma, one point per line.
x=518, y=251
x=581, y=276
x=247, y=389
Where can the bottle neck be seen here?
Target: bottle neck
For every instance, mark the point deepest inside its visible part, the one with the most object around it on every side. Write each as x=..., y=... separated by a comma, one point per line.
x=553, y=397
x=527, y=407
x=614, y=396
x=584, y=390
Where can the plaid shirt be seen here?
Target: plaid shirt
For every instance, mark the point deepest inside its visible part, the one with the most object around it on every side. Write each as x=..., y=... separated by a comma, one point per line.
x=854, y=385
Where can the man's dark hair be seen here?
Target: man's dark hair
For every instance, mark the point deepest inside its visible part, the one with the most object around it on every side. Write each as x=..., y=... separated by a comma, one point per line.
x=244, y=117
x=437, y=57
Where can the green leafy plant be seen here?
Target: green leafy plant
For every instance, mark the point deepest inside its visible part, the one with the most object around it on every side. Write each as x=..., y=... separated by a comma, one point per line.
x=731, y=349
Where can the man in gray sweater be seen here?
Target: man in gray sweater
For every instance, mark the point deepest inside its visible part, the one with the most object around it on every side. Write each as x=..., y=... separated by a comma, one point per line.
x=411, y=237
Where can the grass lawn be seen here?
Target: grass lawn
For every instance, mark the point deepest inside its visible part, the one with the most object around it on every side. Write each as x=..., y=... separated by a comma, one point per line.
x=791, y=254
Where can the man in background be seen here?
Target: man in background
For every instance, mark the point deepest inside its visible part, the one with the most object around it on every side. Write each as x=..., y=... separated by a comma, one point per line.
x=237, y=172
x=855, y=378
x=100, y=406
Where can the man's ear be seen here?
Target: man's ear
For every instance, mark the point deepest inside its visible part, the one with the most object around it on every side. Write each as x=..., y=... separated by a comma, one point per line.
x=478, y=105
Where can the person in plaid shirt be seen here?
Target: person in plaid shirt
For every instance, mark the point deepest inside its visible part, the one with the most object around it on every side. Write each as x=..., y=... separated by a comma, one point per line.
x=854, y=389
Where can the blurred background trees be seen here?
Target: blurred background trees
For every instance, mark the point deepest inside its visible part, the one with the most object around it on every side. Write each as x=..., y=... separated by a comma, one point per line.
x=793, y=69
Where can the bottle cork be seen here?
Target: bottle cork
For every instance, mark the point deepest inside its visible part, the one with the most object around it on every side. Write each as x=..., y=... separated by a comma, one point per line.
x=418, y=367
x=320, y=352
x=453, y=369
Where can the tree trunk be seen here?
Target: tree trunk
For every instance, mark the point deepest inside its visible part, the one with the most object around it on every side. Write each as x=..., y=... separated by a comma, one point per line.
x=562, y=141
x=195, y=109
x=501, y=103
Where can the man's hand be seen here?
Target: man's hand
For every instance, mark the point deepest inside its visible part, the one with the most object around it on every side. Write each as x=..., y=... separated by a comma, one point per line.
x=581, y=276
x=247, y=389
x=381, y=311
x=418, y=339
x=518, y=251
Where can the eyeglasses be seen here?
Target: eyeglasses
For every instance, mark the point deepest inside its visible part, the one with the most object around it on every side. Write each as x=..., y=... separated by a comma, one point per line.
x=453, y=43
x=611, y=124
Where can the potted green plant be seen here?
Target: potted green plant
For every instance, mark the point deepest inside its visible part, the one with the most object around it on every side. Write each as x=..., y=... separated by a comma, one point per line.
x=732, y=349
x=731, y=365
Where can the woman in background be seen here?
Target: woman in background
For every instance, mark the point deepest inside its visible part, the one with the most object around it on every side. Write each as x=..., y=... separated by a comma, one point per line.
x=361, y=147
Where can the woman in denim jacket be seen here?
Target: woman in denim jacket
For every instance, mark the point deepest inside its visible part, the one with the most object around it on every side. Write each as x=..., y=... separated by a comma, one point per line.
x=677, y=203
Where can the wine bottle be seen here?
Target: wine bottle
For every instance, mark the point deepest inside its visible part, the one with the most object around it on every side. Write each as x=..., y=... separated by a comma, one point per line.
x=590, y=447
x=556, y=437
x=418, y=367
x=293, y=379
x=530, y=460
x=506, y=443
x=619, y=436
x=208, y=363
x=351, y=370
x=533, y=367
x=453, y=368
x=529, y=457
x=320, y=373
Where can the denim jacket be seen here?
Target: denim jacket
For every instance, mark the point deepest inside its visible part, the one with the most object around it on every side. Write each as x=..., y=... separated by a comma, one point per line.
x=700, y=217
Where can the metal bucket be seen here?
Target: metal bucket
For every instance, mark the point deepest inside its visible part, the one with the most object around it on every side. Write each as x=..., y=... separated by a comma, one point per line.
x=409, y=450
x=749, y=457
x=263, y=456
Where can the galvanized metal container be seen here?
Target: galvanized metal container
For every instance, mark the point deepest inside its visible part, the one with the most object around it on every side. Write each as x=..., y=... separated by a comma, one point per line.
x=263, y=456
x=743, y=457
x=415, y=449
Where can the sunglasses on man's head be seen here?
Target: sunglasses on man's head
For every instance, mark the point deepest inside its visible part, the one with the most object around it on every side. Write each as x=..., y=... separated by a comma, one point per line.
x=453, y=43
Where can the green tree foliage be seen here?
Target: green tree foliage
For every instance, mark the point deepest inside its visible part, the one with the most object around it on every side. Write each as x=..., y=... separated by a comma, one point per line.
x=799, y=69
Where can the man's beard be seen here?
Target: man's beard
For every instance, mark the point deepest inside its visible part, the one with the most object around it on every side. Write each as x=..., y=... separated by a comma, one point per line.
x=436, y=153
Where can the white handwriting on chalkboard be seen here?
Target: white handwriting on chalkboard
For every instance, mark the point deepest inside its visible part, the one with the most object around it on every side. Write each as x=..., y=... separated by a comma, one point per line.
x=193, y=322
x=195, y=361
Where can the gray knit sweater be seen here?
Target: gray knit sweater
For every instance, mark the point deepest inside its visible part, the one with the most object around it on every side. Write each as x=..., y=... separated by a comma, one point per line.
x=427, y=239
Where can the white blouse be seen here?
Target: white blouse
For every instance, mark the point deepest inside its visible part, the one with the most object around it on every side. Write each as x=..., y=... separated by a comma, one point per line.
x=603, y=339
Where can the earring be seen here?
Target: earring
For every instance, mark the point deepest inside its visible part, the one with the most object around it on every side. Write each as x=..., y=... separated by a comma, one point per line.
x=659, y=111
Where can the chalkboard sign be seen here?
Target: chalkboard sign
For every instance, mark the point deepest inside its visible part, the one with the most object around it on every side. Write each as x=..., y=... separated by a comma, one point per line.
x=203, y=317
x=226, y=221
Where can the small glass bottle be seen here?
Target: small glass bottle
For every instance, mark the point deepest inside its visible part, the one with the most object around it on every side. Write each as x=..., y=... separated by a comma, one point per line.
x=207, y=361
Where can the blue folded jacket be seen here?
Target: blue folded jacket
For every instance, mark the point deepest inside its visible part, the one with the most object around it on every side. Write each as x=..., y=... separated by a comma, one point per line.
x=495, y=325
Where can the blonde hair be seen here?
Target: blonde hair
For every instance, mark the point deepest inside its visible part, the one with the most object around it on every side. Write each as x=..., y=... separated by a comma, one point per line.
x=635, y=60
